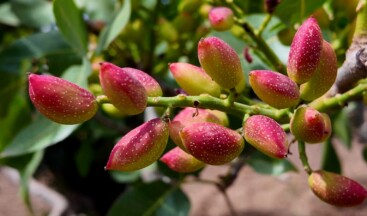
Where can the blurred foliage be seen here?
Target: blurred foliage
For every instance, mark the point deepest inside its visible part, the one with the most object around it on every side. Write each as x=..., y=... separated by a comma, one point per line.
x=68, y=38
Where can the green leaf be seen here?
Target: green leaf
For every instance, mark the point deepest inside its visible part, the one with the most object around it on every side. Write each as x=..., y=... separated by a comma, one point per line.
x=84, y=158
x=330, y=160
x=33, y=13
x=70, y=22
x=125, y=177
x=18, y=116
x=98, y=10
x=113, y=29
x=342, y=128
x=10, y=86
x=26, y=173
x=37, y=136
x=294, y=11
x=155, y=198
x=175, y=204
x=7, y=16
x=79, y=74
x=266, y=165
x=166, y=171
x=33, y=47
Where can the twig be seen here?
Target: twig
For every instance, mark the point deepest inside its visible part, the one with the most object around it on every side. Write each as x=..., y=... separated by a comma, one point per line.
x=229, y=203
x=263, y=46
x=323, y=104
x=303, y=157
x=264, y=24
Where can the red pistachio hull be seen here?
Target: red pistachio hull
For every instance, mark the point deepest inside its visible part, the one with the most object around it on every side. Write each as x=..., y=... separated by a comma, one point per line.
x=324, y=76
x=193, y=79
x=152, y=87
x=266, y=135
x=274, y=88
x=180, y=161
x=187, y=117
x=335, y=189
x=221, y=18
x=140, y=147
x=220, y=62
x=309, y=125
x=212, y=143
x=304, y=55
x=124, y=91
x=60, y=100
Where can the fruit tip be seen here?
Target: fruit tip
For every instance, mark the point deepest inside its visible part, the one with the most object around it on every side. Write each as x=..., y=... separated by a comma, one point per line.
x=171, y=65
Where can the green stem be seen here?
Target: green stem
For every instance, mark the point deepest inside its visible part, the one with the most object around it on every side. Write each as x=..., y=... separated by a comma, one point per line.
x=237, y=11
x=264, y=24
x=286, y=127
x=231, y=97
x=229, y=203
x=303, y=157
x=245, y=117
x=361, y=23
x=323, y=104
x=206, y=101
x=101, y=99
x=210, y=102
x=245, y=100
x=263, y=46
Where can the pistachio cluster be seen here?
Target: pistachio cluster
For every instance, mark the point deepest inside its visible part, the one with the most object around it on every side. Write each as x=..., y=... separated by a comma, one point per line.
x=203, y=135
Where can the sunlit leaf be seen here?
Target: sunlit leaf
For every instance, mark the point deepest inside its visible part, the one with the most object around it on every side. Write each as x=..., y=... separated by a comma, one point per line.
x=113, y=29
x=78, y=74
x=26, y=174
x=33, y=13
x=70, y=22
x=97, y=10
x=7, y=16
x=38, y=135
